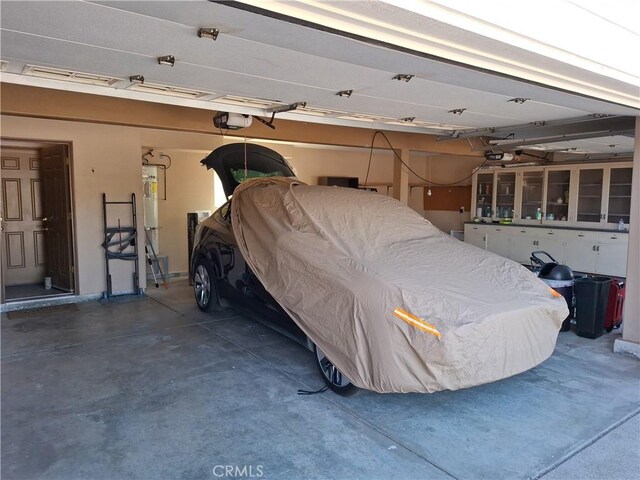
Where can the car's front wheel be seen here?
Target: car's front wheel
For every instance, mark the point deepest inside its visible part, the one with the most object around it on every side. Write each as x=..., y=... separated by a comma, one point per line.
x=204, y=286
x=333, y=377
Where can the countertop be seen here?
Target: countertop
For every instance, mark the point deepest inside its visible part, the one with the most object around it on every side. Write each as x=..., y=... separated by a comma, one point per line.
x=563, y=227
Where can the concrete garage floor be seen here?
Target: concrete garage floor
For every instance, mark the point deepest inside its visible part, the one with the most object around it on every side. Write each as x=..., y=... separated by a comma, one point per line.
x=155, y=389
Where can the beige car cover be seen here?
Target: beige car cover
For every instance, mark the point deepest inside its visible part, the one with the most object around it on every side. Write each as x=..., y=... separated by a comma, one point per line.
x=394, y=303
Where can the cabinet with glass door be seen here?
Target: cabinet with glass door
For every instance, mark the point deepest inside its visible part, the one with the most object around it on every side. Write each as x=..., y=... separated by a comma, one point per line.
x=505, y=195
x=556, y=207
x=594, y=196
x=530, y=196
x=484, y=195
x=619, y=197
x=590, y=189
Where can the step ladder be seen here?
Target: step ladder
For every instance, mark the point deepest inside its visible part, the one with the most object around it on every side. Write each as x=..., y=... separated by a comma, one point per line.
x=120, y=243
x=152, y=259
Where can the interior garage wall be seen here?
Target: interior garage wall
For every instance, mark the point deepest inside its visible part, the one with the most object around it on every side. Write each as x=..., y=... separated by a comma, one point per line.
x=311, y=162
x=449, y=169
x=108, y=158
x=105, y=158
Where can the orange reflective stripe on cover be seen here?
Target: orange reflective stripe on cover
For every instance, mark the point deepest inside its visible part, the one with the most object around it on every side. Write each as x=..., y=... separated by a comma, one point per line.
x=417, y=322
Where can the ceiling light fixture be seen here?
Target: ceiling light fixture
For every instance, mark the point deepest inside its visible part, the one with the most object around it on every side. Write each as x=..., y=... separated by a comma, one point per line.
x=457, y=111
x=167, y=60
x=518, y=100
x=405, y=77
x=211, y=33
x=345, y=93
x=136, y=79
x=408, y=119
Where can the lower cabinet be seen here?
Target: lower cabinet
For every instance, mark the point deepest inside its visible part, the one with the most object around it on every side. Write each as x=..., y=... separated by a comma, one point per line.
x=498, y=241
x=583, y=250
x=597, y=252
x=475, y=235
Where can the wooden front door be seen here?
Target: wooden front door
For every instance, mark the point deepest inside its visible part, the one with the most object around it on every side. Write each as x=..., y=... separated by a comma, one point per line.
x=56, y=206
x=23, y=261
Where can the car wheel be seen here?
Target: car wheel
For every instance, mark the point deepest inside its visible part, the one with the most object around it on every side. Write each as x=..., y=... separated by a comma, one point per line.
x=334, y=379
x=204, y=286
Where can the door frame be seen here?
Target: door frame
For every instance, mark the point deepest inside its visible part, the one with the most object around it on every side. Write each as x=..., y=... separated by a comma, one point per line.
x=6, y=142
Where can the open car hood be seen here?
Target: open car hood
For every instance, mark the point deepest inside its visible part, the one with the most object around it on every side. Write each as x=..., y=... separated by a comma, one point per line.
x=228, y=161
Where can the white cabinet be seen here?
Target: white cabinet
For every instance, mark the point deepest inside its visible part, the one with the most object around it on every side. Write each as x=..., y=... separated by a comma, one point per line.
x=611, y=253
x=498, y=240
x=521, y=244
x=551, y=241
x=475, y=235
x=597, y=252
x=587, y=251
x=581, y=254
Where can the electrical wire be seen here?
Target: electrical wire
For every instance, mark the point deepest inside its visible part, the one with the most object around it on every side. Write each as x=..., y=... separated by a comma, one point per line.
x=166, y=156
x=429, y=182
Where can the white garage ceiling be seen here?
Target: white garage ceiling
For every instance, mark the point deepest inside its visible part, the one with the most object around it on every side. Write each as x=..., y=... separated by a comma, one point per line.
x=261, y=59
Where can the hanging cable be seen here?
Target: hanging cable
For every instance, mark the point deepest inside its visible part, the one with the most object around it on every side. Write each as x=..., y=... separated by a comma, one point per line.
x=246, y=172
x=429, y=182
x=167, y=167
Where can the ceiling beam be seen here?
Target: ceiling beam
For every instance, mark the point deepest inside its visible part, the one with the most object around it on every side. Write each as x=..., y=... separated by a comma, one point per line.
x=592, y=126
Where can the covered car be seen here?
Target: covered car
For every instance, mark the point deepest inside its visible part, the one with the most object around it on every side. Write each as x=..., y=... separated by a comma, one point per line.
x=394, y=303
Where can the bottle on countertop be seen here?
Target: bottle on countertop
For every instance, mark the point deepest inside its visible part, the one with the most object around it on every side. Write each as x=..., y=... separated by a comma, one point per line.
x=621, y=225
x=539, y=214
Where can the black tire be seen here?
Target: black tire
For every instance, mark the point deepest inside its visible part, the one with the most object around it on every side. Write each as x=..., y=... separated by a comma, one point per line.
x=205, y=286
x=333, y=378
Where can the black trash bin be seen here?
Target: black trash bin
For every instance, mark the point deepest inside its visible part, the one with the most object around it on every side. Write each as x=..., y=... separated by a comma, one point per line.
x=592, y=297
x=560, y=278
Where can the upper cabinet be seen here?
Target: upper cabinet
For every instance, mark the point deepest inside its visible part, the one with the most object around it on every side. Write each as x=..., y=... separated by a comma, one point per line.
x=505, y=195
x=590, y=188
x=558, y=197
x=619, y=197
x=483, y=196
x=592, y=195
x=531, y=197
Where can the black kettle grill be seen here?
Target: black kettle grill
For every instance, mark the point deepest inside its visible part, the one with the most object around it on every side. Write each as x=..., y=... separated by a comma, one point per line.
x=557, y=276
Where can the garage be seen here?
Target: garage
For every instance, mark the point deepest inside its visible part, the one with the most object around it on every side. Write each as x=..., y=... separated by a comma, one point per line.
x=130, y=350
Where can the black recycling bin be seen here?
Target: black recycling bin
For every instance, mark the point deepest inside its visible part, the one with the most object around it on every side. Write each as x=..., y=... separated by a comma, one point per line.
x=592, y=297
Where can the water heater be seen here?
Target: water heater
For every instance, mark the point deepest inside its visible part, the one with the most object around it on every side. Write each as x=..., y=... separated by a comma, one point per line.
x=150, y=202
